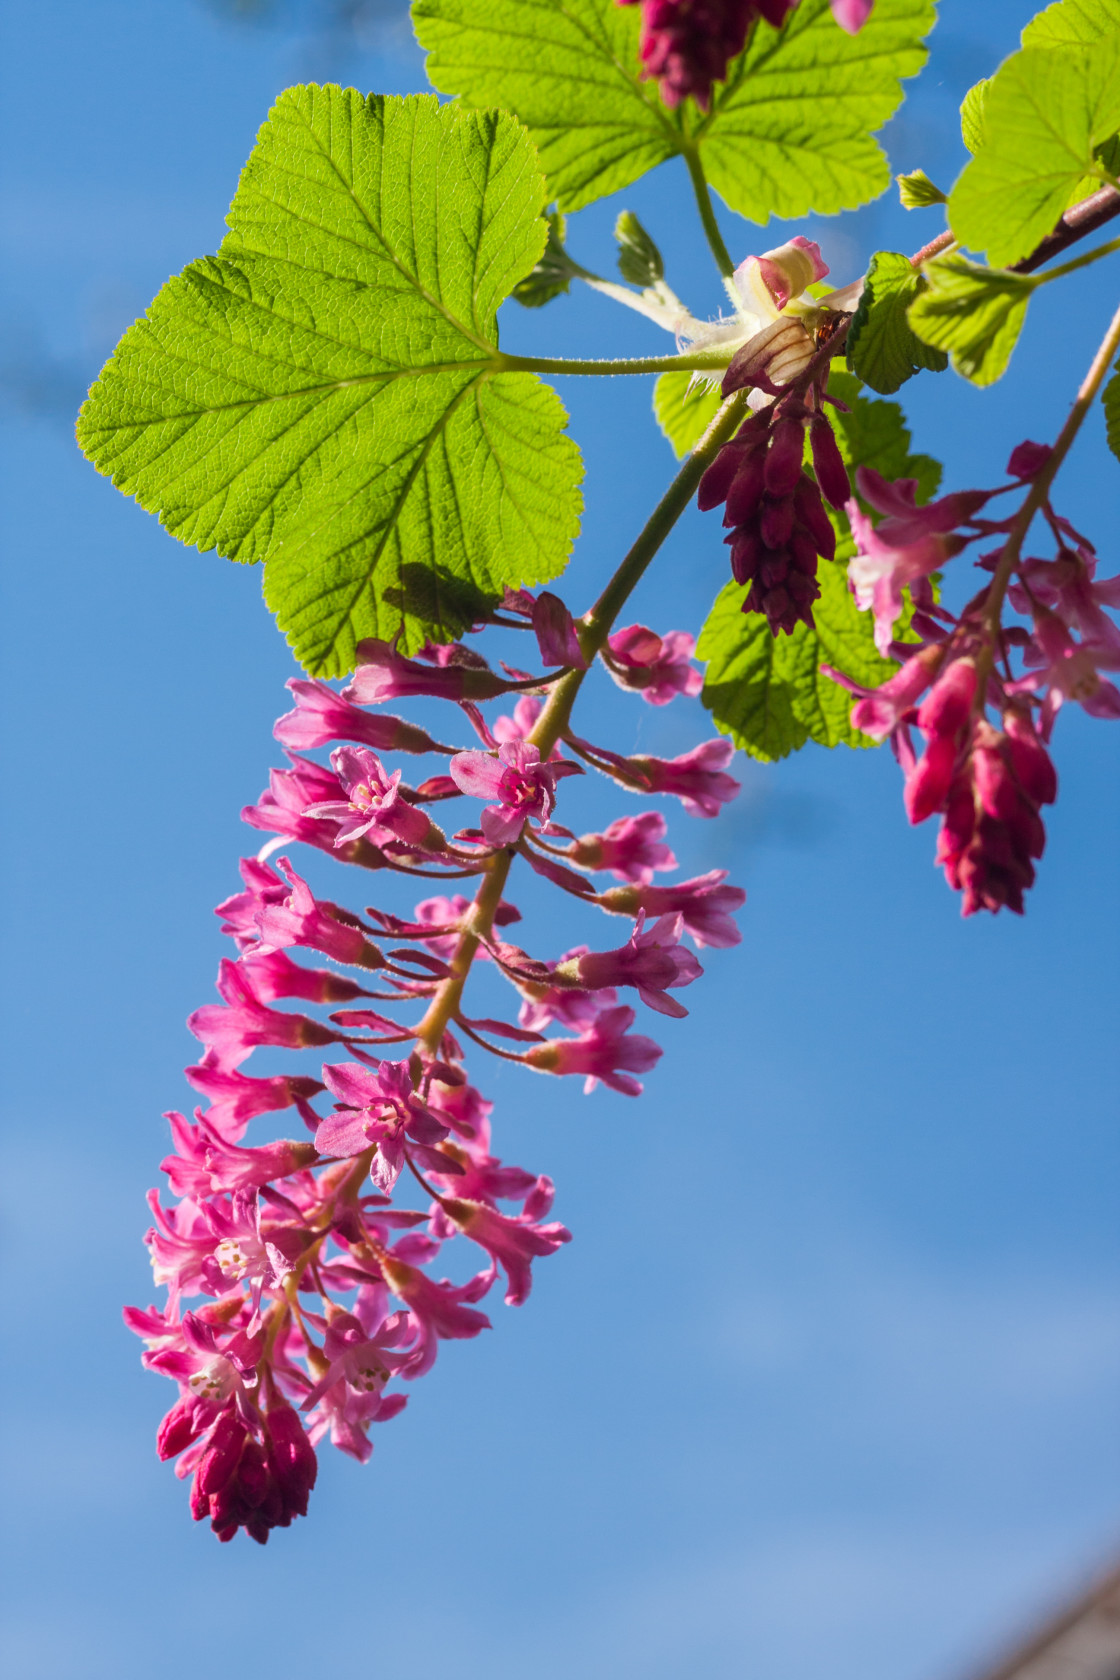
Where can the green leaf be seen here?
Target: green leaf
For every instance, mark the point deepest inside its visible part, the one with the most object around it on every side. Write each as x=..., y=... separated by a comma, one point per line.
x=1111, y=400
x=882, y=349
x=1046, y=112
x=326, y=394
x=1073, y=23
x=974, y=313
x=639, y=260
x=552, y=274
x=917, y=192
x=768, y=692
x=789, y=131
x=684, y=408
x=974, y=129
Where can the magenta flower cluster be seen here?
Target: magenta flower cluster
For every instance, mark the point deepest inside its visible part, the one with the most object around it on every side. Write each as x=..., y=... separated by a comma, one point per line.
x=980, y=759
x=687, y=45
x=299, y=1271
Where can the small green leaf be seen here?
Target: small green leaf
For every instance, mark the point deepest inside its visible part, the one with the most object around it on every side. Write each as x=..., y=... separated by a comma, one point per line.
x=768, y=692
x=917, y=192
x=789, y=131
x=974, y=313
x=1045, y=113
x=326, y=394
x=552, y=274
x=684, y=407
x=639, y=260
x=882, y=349
x=1111, y=400
x=1072, y=23
x=973, y=126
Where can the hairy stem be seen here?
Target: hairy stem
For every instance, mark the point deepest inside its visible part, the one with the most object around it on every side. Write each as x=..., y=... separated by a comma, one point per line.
x=553, y=721
x=1039, y=492
x=707, y=212
x=697, y=362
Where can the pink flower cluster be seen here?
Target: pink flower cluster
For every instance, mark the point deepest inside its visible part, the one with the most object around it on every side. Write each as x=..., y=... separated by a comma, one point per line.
x=686, y=45
x=301, y=1297
x=987, y=780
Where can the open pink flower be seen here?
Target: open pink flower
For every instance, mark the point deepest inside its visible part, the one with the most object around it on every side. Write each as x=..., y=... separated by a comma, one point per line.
x=659, y=667
x=653, y=959
x=373, y=804
x=632, y=848
x=380, y=1107
x=704, y=905
x=303, y=920
x=513, y=1243
x=696, y=777
x=606, y=1051
x=522, y=787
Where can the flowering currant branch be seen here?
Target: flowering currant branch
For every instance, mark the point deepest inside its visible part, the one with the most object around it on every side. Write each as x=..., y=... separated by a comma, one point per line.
x=327, y=394
x=296, y=1256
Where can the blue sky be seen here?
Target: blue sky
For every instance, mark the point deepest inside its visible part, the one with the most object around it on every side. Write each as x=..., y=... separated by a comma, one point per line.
x=829, y=1376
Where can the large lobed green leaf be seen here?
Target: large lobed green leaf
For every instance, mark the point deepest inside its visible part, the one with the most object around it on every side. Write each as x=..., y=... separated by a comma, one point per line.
x=768, y=692
x=326, y=394
x=790, y=130
x=1071, y=23
x=1044, y=115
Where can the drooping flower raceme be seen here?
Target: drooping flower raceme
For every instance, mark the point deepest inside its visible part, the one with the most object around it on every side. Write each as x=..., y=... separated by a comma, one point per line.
x=988, y=777
x=299, y=1271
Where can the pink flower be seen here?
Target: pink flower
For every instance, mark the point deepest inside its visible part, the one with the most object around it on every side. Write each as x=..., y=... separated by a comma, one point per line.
x=283, y=808
x=302, y=920
x=231, y=1031
x=1069, y=670
x=380, y=1107
x=555, y=631
x=206, y=1162
x=567, y=1005
x=275, y=975
x=606, y=1051
x=630, y=847
x=384, y=674
x=373, y=804
x=235, y=1099
x=851, y=15
x=524, y=789
x=694, y=777
x=880, y=710
x=322, y=716
x=513, y=1243
x=437, y=1308
x=653, y=959
x=364, y=1360
x=704, y=905
x=659, y=667
x=239, y=912
x=782, y=274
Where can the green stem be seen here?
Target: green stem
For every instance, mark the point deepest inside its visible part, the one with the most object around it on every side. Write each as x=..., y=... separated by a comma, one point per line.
x=699, y=362
x=553, y=721
x=707, y=211
x=1082, y=261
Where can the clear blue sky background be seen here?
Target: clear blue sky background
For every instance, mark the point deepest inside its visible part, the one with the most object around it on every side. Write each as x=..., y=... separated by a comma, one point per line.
x=828, y=1380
